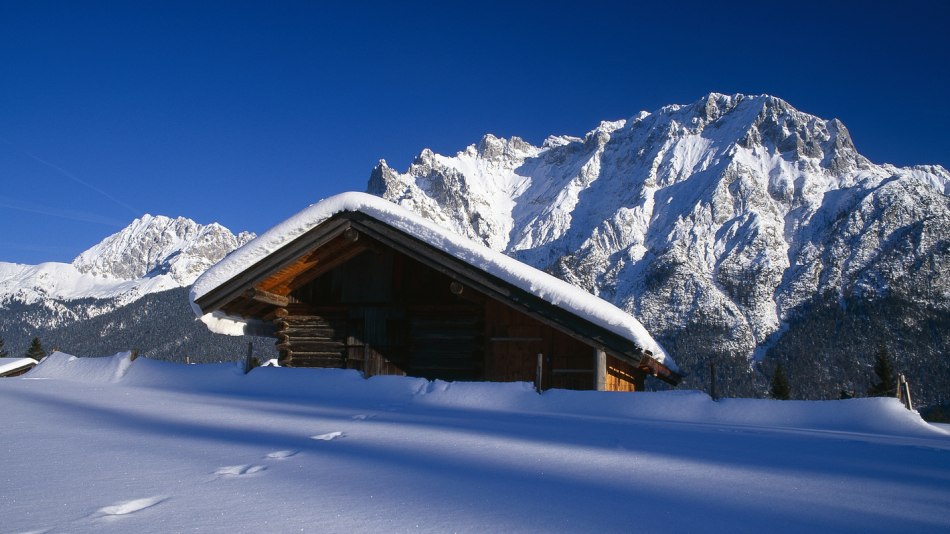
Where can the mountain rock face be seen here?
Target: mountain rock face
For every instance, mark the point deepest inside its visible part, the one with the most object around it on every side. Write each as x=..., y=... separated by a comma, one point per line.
x=151, y=255
x=150, y=246
x=741, y=231
x=128, y=292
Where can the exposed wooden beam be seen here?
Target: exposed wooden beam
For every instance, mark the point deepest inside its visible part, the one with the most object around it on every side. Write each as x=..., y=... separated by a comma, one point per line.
x=266, y=297
x=325, y=265
x=600, y=369
x=311, y=240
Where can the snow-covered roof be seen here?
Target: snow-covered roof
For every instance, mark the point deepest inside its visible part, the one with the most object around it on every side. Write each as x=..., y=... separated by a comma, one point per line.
x=553, y=290
x=8, y=365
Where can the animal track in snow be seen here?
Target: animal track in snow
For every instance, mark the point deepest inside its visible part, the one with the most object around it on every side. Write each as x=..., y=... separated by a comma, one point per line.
x=328, y=436
x=239, y=470
x=280, y=455
x=130, y=507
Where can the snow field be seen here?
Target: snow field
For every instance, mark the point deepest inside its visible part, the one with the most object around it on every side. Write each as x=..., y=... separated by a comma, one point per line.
x=147, y=446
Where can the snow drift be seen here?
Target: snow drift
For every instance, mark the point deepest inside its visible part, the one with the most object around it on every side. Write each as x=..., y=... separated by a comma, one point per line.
x=868, y=415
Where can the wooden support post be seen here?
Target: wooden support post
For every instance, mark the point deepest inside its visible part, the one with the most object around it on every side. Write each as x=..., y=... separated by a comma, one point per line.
x=539, y=373
x=248, y=365
x=266, y=297
x=903, y=392
x=600, y=369
x=712, y=379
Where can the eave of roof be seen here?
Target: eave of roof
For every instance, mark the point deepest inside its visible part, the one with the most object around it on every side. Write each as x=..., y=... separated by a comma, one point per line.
x=9, y=365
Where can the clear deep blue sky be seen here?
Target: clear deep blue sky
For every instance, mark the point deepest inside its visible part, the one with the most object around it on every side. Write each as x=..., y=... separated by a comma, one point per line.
x=245, y=112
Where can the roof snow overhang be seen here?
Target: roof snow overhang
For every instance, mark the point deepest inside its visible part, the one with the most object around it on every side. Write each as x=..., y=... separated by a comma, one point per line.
x=15, y=366
x=256, y=289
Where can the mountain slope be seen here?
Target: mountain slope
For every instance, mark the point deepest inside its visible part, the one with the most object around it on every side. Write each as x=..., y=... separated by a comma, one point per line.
x=152, y=246
x=152, y=254
x=120, y=290
x=721, y=224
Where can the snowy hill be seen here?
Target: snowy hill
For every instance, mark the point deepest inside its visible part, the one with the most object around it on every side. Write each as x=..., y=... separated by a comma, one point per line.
x=142, y=446
x=152, y=254
x=727, y=226
x=150, y=247
x=118, y=291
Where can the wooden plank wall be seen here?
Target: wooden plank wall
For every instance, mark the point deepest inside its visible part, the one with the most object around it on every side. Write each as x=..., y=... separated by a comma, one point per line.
x=377, y=338
x=446, y=343
x=514, y=341
x=621, y=376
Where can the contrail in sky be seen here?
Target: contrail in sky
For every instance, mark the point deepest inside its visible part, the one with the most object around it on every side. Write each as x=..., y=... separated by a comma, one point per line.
x=79, y=181
x=133, y=210
x=72, y=215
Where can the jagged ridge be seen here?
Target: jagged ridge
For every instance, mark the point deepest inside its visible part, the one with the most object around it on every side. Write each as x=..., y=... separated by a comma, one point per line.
x=719, y=224
x=152, y=254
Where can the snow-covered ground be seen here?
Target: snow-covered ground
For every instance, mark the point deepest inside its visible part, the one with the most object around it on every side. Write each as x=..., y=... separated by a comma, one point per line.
x=105, y=444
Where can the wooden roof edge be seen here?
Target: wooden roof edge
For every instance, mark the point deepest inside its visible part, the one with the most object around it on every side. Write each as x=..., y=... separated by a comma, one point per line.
x=654, y=368
x=243, y=281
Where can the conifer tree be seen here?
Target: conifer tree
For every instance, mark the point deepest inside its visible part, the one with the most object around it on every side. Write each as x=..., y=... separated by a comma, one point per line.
x=886, y=385
x=780, y=389
x=36, y=350
x=3, y=351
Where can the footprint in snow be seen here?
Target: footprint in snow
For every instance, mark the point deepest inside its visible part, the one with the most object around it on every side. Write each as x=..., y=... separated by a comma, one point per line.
x=328, y=436
x=280, y=455
x=239, y=470
x=129, y=507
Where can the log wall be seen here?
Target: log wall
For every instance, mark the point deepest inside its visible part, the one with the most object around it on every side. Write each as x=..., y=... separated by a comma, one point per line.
x=312, y=340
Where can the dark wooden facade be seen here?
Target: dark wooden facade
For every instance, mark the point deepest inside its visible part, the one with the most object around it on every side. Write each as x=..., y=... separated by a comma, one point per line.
x=356, y=293
x=19, y=370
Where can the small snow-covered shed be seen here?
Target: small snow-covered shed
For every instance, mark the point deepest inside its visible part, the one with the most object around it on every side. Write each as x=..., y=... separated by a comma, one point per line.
x=358, y=282
x=10, y=367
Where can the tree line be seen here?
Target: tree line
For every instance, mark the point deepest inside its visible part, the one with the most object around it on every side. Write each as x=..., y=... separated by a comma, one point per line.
x=884, y=383
x=36, y=350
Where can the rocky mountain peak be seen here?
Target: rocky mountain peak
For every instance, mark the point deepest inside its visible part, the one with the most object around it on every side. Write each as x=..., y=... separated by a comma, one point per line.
x=720, y=224
x=153, y=245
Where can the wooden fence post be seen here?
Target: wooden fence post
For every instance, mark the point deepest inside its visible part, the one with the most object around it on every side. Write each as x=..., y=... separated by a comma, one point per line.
x=600, y=369
x=712, y=378
x=903, y=392
x=538, y=373
x=248, y=365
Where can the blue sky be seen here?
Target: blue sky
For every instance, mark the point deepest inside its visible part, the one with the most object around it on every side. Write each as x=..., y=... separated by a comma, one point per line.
x=245, y=112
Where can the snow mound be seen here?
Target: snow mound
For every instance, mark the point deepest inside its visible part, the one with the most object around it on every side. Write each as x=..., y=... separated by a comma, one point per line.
x=62, y=366
x=853, y=416
x=9, y=364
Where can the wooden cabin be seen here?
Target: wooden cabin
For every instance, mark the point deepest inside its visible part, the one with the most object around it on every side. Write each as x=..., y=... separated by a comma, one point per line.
x=357, y=292
x=10, y=367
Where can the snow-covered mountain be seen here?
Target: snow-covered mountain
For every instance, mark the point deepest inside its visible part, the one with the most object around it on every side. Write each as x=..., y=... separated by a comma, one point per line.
x=723, y=225
x=152, y=254
x=740, y=231
x=160, y=246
